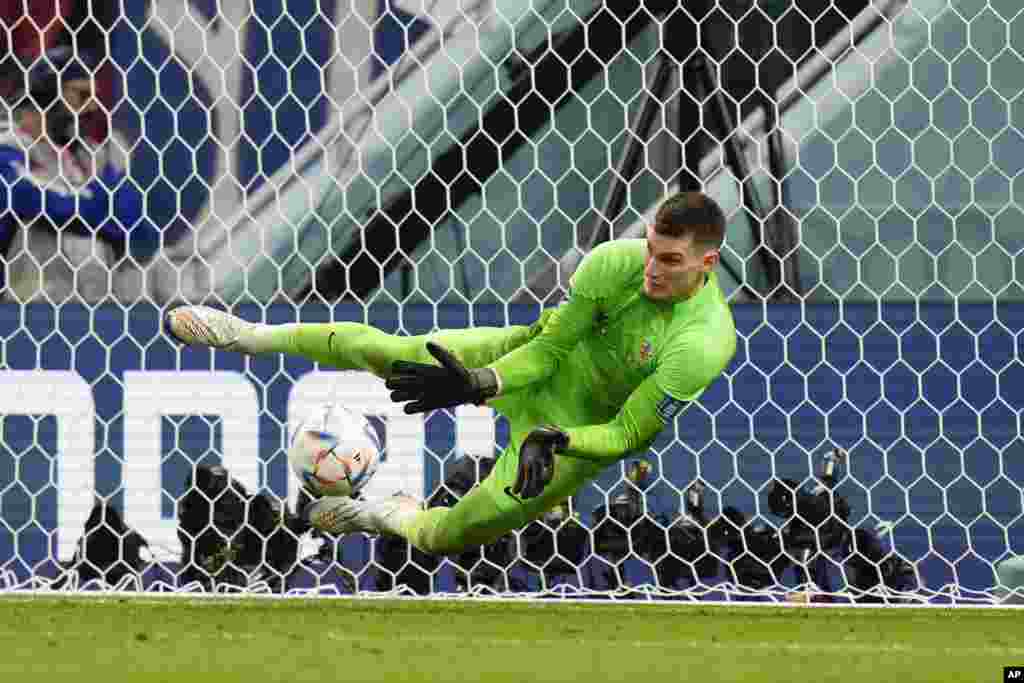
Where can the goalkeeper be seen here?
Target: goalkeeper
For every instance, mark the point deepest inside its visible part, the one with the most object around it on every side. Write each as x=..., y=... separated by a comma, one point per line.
x=644, y=330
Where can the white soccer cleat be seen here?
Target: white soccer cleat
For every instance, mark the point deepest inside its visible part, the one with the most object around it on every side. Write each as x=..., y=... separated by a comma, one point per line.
x=339, y=515
x=205, y=326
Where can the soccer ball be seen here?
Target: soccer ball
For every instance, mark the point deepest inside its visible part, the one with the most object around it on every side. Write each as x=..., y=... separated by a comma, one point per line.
x=334, y=452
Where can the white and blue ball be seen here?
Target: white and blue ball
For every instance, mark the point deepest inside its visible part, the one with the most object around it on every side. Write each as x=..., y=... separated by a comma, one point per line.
x=334, y=451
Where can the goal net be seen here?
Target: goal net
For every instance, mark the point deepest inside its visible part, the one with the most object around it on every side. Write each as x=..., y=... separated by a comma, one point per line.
x=419, y=165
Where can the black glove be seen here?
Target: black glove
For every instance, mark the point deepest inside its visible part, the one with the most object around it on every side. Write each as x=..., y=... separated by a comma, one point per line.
x=430, y=387
x=537, y=460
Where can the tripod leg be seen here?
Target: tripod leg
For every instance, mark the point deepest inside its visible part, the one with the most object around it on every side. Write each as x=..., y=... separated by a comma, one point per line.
x=699, y=87
x=737, y=162
x=633, y=153
x=785, y=237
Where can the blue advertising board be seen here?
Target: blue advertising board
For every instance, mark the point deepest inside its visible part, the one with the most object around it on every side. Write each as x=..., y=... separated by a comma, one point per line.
x=98, y=401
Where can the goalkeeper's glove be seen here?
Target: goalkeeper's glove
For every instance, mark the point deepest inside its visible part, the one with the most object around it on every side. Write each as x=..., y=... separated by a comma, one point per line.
x=430, y=387
x=537, y=460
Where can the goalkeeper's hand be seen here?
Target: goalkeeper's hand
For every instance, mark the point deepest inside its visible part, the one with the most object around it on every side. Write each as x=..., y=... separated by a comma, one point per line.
x=537, y=460
x=429, y=387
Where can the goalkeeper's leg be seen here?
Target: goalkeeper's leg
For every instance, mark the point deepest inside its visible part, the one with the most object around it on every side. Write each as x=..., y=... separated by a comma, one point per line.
x=346, y=346
x=482, y=516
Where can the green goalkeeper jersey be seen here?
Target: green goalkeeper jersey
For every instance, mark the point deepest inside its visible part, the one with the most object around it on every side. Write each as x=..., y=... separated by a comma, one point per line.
x=613, y=366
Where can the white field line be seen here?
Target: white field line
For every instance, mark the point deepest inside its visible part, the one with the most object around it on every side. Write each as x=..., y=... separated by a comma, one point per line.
x=611, y=645
x=636, y=602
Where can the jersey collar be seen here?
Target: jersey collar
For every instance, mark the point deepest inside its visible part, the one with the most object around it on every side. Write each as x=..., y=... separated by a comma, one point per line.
x=698, y=299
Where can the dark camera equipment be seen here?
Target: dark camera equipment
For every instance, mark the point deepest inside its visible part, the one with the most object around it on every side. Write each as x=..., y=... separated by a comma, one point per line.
x=678, y=547
x=621, y=527
x=555, y=545
x=817, y=534
x=816, y=521
x=108, y=549
x=401, y=564
x=481, y=566
x=231, y=537
x=753, y=549
x=326, y=566
x=689, y=548
x=690, y=559
x=866, y=565
x=813, y=539
x=551, y=546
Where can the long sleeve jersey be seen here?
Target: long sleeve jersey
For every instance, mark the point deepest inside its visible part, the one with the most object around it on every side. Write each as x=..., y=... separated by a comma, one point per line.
x=615, y=364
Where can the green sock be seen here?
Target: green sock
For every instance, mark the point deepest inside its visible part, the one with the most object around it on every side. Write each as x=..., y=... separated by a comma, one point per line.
x=346, y=346
x=355, y=346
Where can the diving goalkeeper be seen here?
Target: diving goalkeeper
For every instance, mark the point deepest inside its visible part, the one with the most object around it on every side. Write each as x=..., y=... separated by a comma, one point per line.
x=643, y=332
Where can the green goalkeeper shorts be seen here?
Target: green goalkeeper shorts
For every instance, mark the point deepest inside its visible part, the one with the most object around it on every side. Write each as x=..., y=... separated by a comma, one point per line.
x=525, y=413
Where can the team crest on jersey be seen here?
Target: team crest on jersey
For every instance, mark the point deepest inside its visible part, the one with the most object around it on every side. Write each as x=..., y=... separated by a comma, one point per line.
x=669, y=407
x=646, y=351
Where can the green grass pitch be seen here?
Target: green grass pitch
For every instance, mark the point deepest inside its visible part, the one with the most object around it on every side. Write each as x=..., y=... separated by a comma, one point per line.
x=115, y=639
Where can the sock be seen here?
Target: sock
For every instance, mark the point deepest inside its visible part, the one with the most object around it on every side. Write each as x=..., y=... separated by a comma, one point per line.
x=260, y=338
x=354, y=346
x=346, y=346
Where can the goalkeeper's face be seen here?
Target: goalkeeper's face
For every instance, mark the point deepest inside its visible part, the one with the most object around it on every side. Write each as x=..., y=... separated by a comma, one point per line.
x=675, y=267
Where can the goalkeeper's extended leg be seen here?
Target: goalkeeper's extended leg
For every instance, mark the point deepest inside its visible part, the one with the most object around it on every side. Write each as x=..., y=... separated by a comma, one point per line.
x=482, y=516
x=475, y=520
x=346, y=346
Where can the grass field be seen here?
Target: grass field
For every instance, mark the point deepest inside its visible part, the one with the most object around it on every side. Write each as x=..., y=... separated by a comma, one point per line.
x=126, y=639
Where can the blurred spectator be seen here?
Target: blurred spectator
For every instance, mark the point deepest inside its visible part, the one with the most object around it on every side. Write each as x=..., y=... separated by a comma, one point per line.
x=68, y=212
x=32, y=26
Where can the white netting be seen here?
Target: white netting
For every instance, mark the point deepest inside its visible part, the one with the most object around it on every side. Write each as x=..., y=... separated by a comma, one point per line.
x=418, y=164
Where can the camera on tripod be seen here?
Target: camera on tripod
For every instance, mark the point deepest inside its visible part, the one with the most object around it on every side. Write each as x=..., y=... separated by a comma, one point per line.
x=751, y=549
x=676, y=547
x=817, y=519
x=549, y=547
x=814, y=537
x=401, y=564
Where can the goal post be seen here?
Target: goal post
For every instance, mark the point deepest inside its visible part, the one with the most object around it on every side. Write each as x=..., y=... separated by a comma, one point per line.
x=427, y=165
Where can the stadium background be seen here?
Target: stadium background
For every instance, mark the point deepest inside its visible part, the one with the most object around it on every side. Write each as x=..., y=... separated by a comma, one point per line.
x=908, y=141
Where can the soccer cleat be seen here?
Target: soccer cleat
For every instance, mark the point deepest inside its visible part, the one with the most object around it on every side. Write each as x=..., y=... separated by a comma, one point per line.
x=205, y=326
x=338, y=515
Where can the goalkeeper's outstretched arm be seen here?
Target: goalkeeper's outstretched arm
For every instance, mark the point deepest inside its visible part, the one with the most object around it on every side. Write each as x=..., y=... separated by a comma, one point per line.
x=634, y=427
x=539, y=358
x=681, y=378
x=645, y=413
x=450, y=383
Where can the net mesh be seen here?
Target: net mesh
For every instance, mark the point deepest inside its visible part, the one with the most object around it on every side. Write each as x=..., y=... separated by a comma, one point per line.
x=417, y=165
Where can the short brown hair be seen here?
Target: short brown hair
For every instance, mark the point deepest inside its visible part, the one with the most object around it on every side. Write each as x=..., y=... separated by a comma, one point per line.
x=692, y=213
